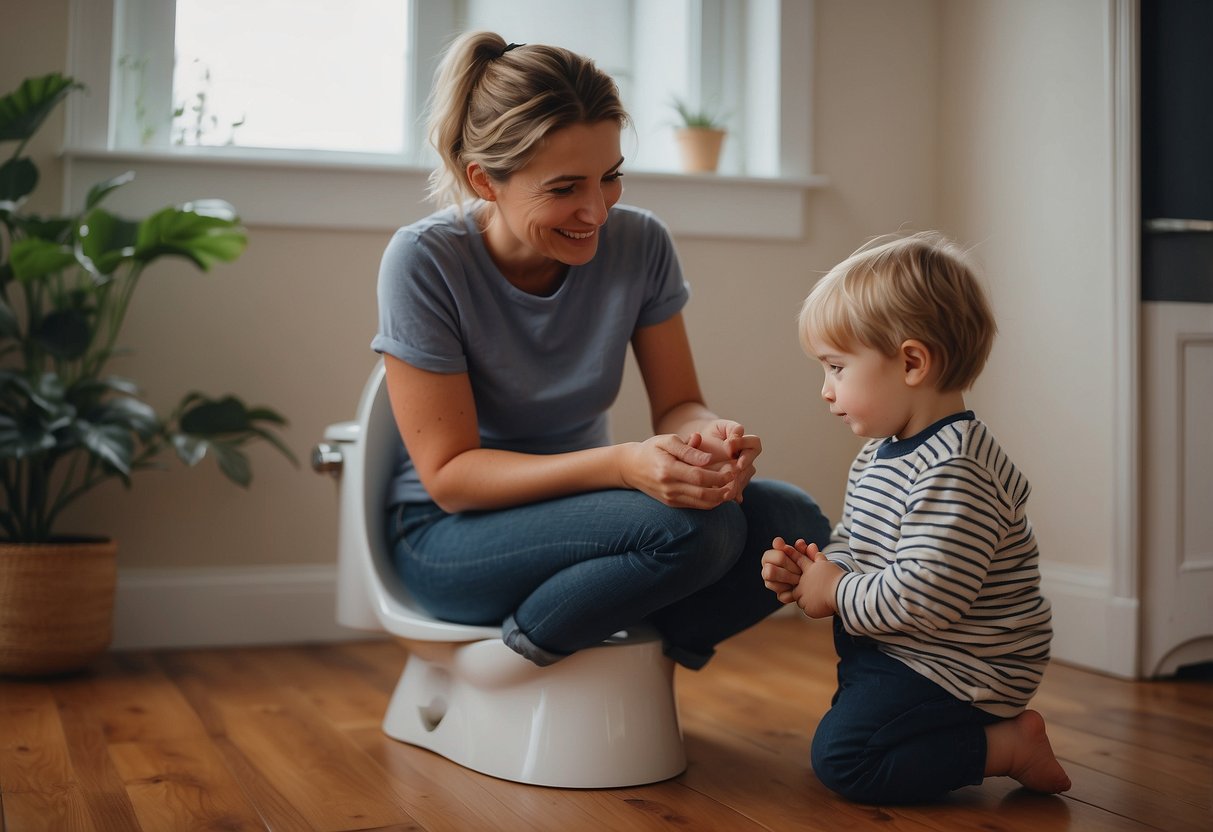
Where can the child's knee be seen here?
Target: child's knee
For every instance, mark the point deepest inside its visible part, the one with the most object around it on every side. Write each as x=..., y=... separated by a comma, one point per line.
x=847, y=767
x=833, y=763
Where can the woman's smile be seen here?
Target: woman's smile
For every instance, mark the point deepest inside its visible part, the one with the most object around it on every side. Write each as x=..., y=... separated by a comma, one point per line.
x=575, y=235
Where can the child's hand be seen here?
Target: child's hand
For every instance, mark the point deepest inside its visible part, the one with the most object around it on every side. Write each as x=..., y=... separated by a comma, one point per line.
x=814, y=592
x=780, y=572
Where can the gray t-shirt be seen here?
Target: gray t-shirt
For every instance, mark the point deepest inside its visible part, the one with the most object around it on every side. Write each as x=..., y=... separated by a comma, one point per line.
x=543, y=370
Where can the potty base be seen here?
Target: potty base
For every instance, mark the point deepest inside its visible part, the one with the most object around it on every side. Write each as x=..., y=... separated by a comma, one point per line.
x=605, y=717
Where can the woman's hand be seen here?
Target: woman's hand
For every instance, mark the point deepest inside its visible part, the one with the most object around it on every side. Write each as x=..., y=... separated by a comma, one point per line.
x=729, y=444
x=678, y=473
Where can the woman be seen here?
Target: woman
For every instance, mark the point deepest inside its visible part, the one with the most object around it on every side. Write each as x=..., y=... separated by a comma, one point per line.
x=504, y=322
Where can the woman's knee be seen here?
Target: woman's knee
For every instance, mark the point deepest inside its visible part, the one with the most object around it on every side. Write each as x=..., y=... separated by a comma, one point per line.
x=718, y=539
x=780, y=508
x=703, y=545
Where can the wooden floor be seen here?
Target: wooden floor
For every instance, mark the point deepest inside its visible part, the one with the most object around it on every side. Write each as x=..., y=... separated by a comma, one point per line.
x=289, y=739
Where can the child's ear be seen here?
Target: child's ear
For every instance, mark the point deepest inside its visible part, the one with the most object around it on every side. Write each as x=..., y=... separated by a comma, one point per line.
x=480, y=182
x=916, y=359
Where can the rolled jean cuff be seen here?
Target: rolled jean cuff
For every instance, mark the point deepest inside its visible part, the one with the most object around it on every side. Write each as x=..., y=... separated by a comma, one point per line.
x=688, y=658
x=514, y=639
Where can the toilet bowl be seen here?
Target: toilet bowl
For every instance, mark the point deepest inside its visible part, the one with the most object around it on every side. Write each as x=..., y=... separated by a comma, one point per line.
x=606, y=716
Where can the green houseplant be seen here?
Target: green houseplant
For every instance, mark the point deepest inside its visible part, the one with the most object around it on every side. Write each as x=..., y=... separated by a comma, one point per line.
x=700, y=134
x=67, y=422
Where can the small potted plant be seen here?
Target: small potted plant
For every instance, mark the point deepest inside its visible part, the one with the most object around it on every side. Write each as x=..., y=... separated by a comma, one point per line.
x=700, y=134
x=68, y=422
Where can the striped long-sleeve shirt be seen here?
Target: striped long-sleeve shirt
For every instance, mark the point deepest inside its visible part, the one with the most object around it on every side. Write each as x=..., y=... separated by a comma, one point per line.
x=943, y=565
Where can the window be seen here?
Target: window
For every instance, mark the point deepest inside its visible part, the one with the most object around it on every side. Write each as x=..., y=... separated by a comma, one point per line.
x=328, y=85
x=303, y=74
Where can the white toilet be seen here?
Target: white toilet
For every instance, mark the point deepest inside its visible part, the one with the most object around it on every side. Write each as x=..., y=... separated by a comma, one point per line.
x=604, y=717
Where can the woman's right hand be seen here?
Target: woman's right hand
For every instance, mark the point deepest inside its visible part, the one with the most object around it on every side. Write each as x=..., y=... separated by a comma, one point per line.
x=677, y=474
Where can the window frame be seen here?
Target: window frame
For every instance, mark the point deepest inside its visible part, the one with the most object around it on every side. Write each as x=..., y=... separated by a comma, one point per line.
x=382, y=192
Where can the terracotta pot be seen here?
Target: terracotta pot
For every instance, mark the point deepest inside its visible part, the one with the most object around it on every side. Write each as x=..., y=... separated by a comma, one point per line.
x=700, y=148
x=56, y=605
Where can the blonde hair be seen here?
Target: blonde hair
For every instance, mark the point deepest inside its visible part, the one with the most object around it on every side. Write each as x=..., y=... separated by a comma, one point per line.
x=893, y=289
x=493, y=104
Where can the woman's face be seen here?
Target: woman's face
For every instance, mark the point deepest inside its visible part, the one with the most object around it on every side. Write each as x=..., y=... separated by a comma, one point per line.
x=553, y=208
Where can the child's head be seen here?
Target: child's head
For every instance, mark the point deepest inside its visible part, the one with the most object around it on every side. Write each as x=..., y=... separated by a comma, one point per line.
x=896, y=289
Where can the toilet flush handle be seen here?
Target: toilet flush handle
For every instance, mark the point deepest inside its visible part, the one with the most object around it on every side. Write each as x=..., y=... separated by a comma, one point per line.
x=327, y=459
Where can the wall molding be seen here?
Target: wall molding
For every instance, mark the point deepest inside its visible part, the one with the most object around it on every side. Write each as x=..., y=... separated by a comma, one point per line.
x=1093, y=627
x=227, y=607
x=239, y=606
x=300, y=192
x=1123, y=69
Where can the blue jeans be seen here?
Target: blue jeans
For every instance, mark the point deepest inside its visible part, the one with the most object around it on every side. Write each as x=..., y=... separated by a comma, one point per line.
x=564, y=574
x=892, y=735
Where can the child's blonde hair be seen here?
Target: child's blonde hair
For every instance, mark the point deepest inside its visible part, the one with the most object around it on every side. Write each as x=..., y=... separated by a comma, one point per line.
x=897, y=288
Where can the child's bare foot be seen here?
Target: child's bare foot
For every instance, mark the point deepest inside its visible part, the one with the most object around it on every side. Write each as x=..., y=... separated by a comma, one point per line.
x=1020, y=748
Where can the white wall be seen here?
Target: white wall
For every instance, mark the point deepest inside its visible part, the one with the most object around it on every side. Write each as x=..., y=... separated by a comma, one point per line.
x=1025, y=162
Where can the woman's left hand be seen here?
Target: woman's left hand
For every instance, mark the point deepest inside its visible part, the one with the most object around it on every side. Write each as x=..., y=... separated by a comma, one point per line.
x=730, y=446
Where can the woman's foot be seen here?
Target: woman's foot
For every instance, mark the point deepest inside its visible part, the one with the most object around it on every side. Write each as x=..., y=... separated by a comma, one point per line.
x=1020, y=748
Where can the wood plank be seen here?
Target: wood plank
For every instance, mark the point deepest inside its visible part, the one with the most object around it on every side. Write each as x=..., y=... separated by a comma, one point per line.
x=1159, y=732
x=1151, y=808
x=1188, y=699
x=123, y=697
x=130, y=699
x=37, y=783
x=337, y=687
x=276, y=811
x=315, y=769
x=435, y=786
x=310, y=763
x=183, y=784
x=1181, y=779
x=440, y=795
x=382, y=658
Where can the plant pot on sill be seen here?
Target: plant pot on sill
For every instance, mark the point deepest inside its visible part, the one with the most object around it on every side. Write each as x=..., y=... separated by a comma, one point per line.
x=56, y=605
x=700, y=148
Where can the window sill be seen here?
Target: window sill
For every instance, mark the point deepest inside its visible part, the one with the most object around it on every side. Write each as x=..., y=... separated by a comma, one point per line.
x=371, y=193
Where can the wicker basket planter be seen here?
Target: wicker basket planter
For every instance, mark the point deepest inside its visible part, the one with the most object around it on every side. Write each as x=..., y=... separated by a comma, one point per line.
x=56, y=605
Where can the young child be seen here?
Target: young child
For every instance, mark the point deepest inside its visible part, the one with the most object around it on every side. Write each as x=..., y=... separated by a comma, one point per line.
x=932, y=575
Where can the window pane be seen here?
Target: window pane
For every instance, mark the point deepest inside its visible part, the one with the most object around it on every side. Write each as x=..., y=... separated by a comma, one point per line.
x=311, y=74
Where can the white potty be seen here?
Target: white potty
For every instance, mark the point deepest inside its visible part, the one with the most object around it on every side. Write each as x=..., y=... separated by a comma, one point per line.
x=604, y=717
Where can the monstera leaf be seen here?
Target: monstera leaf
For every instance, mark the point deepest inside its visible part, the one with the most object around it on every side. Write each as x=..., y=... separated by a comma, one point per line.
x=202, y=232
x=23, y=110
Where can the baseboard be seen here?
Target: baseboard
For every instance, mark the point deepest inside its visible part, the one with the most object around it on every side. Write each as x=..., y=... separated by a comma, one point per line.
x=1092, y=628
x=162, y=608
x=172, y=608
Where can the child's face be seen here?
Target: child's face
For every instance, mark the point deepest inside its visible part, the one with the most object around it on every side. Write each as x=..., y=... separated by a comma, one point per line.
x=866, y=388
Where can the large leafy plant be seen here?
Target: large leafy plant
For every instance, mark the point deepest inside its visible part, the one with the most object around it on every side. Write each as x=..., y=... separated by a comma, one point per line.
x=67, y=423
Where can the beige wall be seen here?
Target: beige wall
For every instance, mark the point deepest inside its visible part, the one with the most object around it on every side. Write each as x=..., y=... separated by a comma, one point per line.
x=925, y=113
x=33, y=42
x=288, y=324
x=1026, y=177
